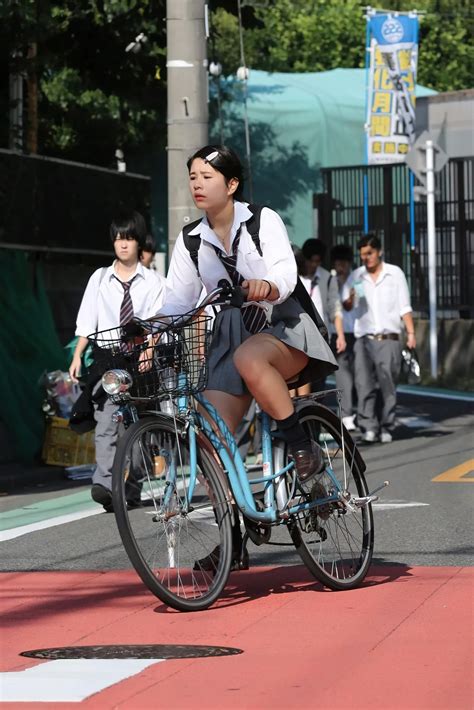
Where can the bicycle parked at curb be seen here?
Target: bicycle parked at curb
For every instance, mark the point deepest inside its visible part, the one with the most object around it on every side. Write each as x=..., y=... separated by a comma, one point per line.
x=188, y=470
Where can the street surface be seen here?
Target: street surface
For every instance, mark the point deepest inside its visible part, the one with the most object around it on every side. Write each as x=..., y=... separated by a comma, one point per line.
x=404, y=640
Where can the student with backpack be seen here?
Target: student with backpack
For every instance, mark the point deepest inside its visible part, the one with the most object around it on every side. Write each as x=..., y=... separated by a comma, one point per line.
x=257, y=350
x=113, y=296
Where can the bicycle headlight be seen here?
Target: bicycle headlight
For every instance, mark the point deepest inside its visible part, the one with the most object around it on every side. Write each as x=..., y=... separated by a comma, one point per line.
x=116, y=381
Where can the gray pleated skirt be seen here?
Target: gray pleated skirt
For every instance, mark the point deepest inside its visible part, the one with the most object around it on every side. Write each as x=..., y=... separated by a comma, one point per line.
x=289, y=323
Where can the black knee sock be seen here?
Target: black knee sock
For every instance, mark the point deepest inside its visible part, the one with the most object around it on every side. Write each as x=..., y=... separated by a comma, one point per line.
x=236, y=531
x=293, y=433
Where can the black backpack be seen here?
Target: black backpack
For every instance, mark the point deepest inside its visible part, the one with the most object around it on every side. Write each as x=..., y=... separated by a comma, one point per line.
x=192, y=242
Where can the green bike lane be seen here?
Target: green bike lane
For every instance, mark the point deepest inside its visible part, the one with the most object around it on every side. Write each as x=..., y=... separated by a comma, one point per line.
x=46, y=512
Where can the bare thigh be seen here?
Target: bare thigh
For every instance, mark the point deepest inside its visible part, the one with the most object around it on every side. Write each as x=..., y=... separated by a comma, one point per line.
x=264, y=349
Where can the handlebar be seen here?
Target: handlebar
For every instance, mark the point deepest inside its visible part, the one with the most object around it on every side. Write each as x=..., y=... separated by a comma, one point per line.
x=224, y=293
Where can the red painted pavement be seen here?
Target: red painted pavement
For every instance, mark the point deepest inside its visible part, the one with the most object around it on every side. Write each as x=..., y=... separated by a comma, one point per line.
x=404, y=640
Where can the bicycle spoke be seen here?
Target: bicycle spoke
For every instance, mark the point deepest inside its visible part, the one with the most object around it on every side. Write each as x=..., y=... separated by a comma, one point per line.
x=168, y=538
x=334, y=541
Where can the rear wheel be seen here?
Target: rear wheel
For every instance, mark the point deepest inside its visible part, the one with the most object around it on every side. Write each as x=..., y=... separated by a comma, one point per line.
x=334, y=542
x=169, y=529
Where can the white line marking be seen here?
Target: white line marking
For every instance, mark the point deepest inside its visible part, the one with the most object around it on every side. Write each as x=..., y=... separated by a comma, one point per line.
x=52, y=522
x=396, y=504
x=415, y=422
x=49, y=523
x=68, y=680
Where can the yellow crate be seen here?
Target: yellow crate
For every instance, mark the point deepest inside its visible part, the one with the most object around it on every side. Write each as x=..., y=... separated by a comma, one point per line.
x=63, y=447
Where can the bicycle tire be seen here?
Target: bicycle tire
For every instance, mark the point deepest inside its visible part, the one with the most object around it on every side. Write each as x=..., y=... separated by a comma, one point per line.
x=335, y=545
x=165, y=533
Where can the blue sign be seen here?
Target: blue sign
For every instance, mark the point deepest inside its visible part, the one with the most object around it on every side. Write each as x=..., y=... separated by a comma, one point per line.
x=390, y=29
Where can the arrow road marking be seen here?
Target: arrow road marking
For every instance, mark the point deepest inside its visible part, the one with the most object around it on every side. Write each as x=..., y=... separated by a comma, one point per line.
x=68, y=681
x=464, y=473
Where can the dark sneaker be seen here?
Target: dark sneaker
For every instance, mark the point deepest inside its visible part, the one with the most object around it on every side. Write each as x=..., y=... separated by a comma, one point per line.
x=240, y=560
x=308, y=463
x=103, y=496
x=133, y=503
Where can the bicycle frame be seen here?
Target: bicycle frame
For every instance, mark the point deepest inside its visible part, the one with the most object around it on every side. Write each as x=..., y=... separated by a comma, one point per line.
x=227, y=450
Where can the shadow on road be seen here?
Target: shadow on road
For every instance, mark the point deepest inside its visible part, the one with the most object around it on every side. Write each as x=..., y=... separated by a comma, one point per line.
x=244, y=587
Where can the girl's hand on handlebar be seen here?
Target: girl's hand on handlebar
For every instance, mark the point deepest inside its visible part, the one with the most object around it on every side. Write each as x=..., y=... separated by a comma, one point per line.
x=258, y=289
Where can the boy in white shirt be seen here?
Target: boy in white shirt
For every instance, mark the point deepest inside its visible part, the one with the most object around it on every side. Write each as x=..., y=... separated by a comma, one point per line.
x=113, y=296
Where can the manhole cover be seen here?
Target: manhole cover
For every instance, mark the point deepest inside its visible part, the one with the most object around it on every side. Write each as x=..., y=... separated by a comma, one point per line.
x=135, y=651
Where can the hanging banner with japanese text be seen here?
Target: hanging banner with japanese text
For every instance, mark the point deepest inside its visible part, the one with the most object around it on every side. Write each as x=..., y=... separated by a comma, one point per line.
x=393, y=55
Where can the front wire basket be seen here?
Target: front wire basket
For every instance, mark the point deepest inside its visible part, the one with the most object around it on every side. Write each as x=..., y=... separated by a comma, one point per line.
x=166, y=357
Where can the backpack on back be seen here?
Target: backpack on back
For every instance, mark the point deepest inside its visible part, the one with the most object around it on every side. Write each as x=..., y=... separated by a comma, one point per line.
x=192, y=242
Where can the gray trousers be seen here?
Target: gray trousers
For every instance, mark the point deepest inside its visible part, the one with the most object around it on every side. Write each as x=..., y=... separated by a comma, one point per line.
x=377, y=366
x=106, y=435
x=345, y=375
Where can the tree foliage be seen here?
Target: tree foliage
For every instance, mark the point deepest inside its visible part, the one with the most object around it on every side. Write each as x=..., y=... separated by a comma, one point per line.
x=318, y=35
x=94, y=97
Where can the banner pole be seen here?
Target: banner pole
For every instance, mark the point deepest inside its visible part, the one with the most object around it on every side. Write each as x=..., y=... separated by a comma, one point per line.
x=414, y=14
x=412, y=209
x=365, y=184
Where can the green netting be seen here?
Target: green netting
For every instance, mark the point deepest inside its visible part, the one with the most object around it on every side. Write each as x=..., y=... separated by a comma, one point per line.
x=29, y=345
x=299, y=123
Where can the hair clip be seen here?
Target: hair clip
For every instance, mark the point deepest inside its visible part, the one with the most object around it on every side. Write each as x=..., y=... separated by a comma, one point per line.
x=211, y=156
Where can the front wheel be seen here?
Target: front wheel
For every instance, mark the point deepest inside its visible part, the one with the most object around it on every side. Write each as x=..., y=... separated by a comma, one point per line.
x=176, y=528
x=334, y=542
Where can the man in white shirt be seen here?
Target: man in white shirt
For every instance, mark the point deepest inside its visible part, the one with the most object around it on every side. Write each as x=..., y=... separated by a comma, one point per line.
x=342, y=258
x=379, y=294
x=113, y=296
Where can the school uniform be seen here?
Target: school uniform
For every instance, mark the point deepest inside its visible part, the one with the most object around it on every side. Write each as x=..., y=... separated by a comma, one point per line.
x=286, y=319
x=377, y=330
x=345, y=380
x=100, y=310
x=322, y=288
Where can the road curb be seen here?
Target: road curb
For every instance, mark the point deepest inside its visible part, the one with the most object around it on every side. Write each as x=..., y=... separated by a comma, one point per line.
x=14, y=476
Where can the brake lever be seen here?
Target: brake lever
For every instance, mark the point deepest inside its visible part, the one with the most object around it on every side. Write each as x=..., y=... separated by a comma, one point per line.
x=239, y=296
x=237, y=293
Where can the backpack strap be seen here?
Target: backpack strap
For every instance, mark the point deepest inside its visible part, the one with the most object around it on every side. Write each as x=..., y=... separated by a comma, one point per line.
x=192, y=242
x=253, y=225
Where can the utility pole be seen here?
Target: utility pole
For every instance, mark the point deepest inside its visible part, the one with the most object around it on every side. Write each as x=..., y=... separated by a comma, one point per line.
x=186, y=29
x=431, y=229
x=16, y=103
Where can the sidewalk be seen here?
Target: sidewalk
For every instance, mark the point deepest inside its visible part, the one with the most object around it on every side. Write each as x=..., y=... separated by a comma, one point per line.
x=15, y=476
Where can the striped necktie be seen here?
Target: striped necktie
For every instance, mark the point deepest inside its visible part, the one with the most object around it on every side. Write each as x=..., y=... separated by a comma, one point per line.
x=126, y=309
x=254, y=317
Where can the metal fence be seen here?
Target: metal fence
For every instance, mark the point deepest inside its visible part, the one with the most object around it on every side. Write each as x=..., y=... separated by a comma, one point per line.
x=341, y=220
x=58, y=206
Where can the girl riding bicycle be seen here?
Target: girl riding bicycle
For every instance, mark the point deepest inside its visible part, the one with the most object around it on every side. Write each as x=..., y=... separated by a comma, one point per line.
x=257, y=350
x=287, y=346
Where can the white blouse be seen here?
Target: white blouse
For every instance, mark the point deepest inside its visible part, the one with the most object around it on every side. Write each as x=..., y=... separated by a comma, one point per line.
x=276, y=265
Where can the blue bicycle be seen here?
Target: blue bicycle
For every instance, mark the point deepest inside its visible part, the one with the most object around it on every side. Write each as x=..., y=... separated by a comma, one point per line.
x=192, y=481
